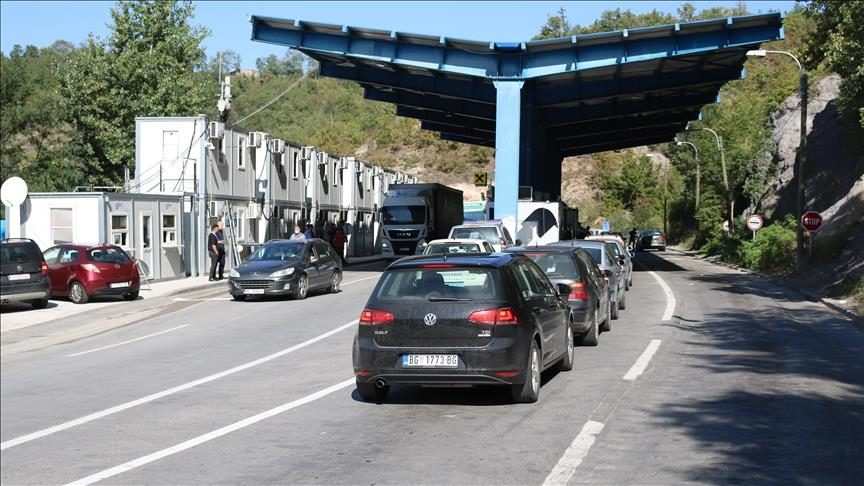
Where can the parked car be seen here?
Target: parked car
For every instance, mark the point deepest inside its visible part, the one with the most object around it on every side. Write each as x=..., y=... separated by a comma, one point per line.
x=492, y=231
x=590, y=305
x=23, y=273
x=605, y=257
x=652, y=239
x=439, y=247
x=476, y=320
x=287, y=267
x=623, y=255
x=82, y=271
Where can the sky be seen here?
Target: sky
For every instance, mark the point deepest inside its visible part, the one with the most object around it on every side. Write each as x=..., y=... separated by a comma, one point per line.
x=41, y=23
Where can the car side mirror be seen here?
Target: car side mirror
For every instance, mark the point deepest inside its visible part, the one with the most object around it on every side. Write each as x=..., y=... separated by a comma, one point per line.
x=607, y=273
x=621, y=260
x=518, y=242
x=563, y=289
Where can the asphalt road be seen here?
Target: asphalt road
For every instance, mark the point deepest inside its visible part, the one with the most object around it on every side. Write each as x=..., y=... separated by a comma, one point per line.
x=744, y=382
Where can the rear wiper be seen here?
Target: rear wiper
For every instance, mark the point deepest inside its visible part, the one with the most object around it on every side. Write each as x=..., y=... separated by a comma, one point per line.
x=447, y=299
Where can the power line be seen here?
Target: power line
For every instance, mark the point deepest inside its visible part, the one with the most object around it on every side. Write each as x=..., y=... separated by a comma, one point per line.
x=293, y=85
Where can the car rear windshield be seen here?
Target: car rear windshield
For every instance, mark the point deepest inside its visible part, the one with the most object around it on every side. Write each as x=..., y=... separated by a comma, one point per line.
x=487, y=233
x=279, y=252
x=555, y=264
x=16, y=253
x=440, y=248
x=439, y=284
x=107, y=255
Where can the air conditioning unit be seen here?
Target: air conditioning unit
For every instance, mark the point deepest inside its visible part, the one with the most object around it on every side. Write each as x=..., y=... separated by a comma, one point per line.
x=277, y=146
x=343, y=163
x=254, y=211
x=306, y=153
x=255, y=139
x=215, y=130
x=213, y=209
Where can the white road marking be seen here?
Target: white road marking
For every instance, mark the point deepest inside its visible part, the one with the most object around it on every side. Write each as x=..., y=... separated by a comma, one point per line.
x=127, y=342
x=360, y=280
x=573, y=456
x=207, y=299
x=670, y=297
x=155, y=396
x=128, y=466
x=642, y=363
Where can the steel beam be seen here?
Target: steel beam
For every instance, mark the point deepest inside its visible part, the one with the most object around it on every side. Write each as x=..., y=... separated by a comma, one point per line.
x=469, y=140
x=589, y=113
x=616, y=125
x=457, y=130
x=446, y=118
x=616, y=145
x=483, y=111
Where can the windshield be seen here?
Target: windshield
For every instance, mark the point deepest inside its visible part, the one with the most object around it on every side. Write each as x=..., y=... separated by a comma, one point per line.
x=107, y=255
x=555, y=264
x=487, y=233
x=439, y=284
x=280, y=252
x=449, y=248
x=403, y=214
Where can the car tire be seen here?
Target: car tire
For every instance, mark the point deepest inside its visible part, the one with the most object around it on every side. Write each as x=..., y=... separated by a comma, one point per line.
x=607, y=324
x=77, y=293
x=529, y=391
x=662, y=248
x=130, y=296
x=566, y=363
x=302, y=287
x=626, y=285
x=239, y=297
x=39, y=303
x=614, y=311
x=335, y=282
x=592, y=336
x=622, y=302
x=370, y=392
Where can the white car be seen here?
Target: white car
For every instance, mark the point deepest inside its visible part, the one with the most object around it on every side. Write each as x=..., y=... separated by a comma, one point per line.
x=492, y=231
x=450, y=247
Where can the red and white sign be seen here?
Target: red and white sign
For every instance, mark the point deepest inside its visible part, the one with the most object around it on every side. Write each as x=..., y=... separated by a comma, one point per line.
x=754, y=222
x=811, y=221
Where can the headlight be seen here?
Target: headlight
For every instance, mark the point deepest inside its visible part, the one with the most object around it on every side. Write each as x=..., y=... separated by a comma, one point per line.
x=283, y=273
x=234, y=273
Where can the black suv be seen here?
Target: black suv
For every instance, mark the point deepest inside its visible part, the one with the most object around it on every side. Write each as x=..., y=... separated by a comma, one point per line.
x=472, y=320
x=23, y=273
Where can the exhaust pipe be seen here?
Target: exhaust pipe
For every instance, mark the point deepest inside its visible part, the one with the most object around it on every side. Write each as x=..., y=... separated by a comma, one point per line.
x=380, y=383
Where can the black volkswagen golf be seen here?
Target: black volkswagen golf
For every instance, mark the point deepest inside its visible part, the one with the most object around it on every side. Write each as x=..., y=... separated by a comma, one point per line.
x=476, y=320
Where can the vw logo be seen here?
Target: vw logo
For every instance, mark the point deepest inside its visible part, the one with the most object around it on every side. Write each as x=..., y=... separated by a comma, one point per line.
x=117, y=266
x=20, y=268
x=430, y=319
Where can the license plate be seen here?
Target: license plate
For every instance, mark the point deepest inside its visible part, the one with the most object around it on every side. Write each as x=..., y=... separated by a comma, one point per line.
x=430, y=361
x=254, y=291
x=118, y=285
x=20, y=276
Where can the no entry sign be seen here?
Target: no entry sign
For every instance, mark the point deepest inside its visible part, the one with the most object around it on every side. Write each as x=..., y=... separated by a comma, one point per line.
x=754, y=222
x=811, y=221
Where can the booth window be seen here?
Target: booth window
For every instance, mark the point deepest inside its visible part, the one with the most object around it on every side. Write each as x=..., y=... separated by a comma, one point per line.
x=169, y=229
x=61, y=225
x=294, y=168
x=241, y=154
x=120, y=230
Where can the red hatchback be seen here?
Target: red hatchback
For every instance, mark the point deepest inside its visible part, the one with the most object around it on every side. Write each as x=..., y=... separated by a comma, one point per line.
x=81, y=271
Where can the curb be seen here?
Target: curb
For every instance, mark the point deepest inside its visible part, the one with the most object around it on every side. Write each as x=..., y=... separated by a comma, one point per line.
x=811, y=296
x=196, y=288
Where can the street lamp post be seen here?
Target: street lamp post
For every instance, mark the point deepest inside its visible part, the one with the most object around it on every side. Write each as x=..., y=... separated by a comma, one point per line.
x=729, y=201
x=698, y=172
x=665, y=196
x=801, y=160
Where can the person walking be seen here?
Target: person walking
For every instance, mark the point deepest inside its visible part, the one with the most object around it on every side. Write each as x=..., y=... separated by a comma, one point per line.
x=220, y=235
x=633, y=235
x=339, y=240
x=213, y=250
x=309, y=234
x=297, y=235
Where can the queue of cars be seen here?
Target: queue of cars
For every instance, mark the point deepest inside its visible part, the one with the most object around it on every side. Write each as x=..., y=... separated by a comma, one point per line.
x=460, y=314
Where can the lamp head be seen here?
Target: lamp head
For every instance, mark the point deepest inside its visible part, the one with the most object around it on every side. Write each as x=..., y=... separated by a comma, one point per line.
x=757, y=53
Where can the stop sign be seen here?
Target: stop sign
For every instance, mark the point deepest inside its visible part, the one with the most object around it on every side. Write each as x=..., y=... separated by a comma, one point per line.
x=811, y=221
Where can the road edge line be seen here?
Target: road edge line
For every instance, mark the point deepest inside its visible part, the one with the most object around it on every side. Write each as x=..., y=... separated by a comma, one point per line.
x=574, y=454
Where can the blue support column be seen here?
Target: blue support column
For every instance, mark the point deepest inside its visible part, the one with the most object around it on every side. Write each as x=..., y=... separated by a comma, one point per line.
x=508, y=118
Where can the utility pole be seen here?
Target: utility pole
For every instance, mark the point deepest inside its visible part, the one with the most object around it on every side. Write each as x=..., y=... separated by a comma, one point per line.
x=698, y=172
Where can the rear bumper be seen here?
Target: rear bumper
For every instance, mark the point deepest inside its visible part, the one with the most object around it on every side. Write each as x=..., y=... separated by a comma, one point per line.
x=21, y=292
x=477, y=366
x=22, y=297
x=114, y=291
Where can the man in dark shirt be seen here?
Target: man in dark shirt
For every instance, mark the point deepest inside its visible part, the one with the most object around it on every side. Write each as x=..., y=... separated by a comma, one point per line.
x=213, y=250
x=220, y=237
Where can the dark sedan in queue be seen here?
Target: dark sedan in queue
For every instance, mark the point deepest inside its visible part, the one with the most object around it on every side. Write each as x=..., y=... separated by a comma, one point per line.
x=464, y=320
x=287, y=267
x=589, y=297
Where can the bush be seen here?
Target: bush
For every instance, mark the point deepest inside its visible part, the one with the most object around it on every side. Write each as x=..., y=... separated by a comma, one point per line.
x=773, y=250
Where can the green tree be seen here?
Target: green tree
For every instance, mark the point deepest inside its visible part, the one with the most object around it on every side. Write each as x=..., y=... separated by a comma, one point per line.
x=145, y=68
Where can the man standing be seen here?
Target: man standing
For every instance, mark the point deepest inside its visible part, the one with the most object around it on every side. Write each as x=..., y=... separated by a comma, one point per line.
x=339, y=240
x=213, y=250
x=298, y=235
x=220, y=235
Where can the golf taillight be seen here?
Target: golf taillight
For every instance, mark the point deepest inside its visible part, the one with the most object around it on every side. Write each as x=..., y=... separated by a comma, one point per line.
x=577, y=291
x=44, y=268
x=372, y=317
x=502, y=316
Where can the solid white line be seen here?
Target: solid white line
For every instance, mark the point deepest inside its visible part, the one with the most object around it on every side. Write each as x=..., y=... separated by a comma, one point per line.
x=126, y=342
x=207, y=299
x=670, y=297
x=573, y=456
x=642, y=363
x=128, y=466
x=155, y=396
x=360, y=280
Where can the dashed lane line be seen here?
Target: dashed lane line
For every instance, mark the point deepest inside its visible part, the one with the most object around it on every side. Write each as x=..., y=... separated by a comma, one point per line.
x=126, y=342
x=642, y=362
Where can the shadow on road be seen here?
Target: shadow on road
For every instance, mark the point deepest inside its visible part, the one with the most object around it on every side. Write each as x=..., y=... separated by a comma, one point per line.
x=645, y=261
x=13, y=308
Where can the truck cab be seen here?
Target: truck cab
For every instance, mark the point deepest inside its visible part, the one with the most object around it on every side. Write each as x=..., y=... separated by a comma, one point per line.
x=414, y=214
